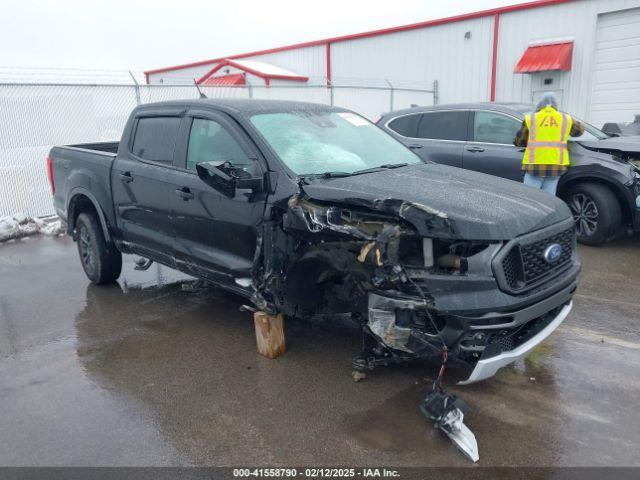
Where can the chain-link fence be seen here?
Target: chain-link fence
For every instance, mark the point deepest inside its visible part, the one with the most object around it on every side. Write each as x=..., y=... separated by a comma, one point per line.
x=34, y=117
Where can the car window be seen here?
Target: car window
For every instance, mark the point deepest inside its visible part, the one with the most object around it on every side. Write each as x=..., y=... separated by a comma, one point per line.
x=155, y=138
x=210, y=141
x=407, y=125
x=491, y=127
x=443, y=125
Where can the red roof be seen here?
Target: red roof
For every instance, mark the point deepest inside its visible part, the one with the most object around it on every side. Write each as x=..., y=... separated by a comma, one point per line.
x=233, y=79
x=543, y=58
x=259, y=69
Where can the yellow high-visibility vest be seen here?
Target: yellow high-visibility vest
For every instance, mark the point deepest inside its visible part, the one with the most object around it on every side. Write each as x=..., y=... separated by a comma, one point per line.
x=548, y=134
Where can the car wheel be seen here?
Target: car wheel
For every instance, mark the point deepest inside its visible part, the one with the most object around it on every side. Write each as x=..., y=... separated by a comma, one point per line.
x=101, y=262
x=596, y=212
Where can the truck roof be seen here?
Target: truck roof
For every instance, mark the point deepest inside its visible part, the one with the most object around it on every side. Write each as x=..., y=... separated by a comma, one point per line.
x=243, y=105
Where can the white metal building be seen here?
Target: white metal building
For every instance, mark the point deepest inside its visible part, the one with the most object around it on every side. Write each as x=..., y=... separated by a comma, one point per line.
x=587, y=51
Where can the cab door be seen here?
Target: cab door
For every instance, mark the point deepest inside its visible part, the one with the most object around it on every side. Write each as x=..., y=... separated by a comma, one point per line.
x=141, y=186
x=490, y=148
x=215, y=236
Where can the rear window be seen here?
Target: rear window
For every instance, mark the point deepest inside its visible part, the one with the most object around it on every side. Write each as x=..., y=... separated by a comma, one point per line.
x=491, y=127
x=155, y=138
x=444, y=125
x=407, y=126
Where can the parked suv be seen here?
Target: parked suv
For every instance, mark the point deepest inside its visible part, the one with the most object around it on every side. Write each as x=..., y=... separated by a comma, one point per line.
x=602, y=186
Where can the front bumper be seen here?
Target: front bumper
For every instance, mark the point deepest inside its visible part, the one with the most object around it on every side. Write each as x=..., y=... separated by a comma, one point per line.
x=484, y=341
x=488, y=367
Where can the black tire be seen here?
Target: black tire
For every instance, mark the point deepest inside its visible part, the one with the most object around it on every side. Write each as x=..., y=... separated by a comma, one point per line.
x=596, y=212
x=101, y=262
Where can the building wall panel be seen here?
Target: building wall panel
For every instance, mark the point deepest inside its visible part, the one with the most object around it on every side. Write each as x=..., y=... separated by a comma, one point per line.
x=418, y=57
x=462, y=66
x=308, y=61
x=576, y=20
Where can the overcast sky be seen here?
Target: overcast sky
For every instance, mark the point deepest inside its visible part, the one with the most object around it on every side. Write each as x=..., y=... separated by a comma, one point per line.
x=144, y=34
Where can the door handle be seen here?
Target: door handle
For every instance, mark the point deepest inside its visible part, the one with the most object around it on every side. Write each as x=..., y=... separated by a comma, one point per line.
x=475, y=149
x=185, y=194
x=415, y=146
x=126, y=177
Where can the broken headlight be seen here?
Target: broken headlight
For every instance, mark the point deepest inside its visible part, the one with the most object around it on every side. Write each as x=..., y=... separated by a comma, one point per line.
x=440, y=256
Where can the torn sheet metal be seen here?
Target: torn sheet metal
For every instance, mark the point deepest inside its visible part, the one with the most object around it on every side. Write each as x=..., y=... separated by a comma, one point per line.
x=447, y=411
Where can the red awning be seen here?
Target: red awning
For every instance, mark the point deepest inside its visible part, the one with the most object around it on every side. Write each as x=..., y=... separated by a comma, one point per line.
x=222, y=80
x=542, y=58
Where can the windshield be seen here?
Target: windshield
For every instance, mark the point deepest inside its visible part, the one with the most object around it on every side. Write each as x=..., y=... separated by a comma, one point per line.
x=590, y=132
x=316, y=142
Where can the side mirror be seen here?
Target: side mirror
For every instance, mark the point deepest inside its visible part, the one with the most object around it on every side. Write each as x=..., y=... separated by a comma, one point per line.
x=227, y=178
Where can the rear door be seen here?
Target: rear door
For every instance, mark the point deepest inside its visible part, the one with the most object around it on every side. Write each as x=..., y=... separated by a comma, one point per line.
x=437, y=136
x=490, y=148
x=141, y=186
x=216, y=236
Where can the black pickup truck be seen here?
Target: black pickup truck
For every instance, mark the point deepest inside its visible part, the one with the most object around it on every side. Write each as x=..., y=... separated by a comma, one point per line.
x=310, y=210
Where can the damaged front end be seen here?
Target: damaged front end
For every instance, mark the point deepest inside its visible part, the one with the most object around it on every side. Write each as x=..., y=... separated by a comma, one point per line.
x=416, y=288
x=415, y=294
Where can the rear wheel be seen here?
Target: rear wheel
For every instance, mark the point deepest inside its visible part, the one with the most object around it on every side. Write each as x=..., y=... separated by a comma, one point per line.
x=596, y=212
x=101, y=262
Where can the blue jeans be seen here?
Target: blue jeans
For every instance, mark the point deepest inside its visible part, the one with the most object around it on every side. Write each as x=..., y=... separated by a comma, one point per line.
x=548, y=184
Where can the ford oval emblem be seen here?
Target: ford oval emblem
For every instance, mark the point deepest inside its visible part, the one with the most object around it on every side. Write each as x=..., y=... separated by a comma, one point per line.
x=552, y=253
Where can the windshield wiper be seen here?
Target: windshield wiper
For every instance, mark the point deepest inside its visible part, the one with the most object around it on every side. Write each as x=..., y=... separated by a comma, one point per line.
x=386, y=166
x=379, y=168
x=337, y=174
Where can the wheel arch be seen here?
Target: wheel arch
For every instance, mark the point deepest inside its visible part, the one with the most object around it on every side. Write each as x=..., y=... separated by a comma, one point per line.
x=616, y=188
x=83, y=201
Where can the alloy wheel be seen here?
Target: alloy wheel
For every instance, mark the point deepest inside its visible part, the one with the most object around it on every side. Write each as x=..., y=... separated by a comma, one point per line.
x=86, y=250
x=585, y=214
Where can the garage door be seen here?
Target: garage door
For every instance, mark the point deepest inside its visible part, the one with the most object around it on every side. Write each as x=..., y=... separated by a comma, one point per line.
x=616, y=76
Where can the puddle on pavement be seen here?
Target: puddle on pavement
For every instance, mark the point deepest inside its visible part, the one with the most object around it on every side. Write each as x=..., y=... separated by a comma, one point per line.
x=185, y=358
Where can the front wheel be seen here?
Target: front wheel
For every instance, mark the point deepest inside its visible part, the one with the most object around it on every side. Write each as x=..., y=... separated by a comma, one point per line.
x=596, y=212
x=101, y=262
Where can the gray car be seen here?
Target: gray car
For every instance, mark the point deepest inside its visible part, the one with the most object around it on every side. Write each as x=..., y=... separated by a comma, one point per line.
x=602, y=186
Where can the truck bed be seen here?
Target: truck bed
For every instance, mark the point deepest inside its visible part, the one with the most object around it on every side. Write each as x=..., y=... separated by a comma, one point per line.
x=89, y=167
x=104, y=147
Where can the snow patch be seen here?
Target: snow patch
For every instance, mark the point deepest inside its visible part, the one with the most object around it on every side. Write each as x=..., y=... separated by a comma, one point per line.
x=21, y=225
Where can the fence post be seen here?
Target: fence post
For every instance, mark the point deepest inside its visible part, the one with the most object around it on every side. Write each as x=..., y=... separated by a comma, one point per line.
x=391, y=90
x=330, y=83
x=435, y=92
x=136, y=87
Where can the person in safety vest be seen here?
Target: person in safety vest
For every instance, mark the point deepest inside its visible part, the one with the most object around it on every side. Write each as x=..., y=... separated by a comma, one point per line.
x=545, y=134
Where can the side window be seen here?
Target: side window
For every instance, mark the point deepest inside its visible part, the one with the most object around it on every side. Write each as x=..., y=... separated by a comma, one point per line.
x=444, y=125
x=155, y=138
x=210, y=141
x=489, y=127
x=406, y=126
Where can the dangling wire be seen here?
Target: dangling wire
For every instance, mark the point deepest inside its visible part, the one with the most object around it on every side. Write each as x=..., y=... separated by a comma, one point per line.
x=437, y=384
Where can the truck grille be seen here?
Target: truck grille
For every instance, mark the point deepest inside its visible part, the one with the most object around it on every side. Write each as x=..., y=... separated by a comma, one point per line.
x=524, y=266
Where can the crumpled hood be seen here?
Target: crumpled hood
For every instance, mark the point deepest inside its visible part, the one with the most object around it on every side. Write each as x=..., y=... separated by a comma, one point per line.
x=446, y=202
x=623, y=144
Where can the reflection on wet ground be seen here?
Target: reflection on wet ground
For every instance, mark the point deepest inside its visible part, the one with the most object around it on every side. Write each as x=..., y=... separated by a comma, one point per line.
x=157, y=371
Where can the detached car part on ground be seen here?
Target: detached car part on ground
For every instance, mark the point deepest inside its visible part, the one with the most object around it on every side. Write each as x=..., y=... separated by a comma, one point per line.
x=312, y=210
x=602, y=186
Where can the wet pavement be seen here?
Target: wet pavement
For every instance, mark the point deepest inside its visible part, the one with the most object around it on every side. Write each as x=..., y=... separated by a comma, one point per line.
x=155, y=371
